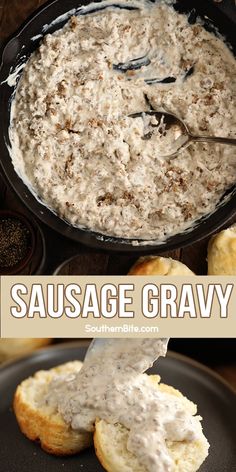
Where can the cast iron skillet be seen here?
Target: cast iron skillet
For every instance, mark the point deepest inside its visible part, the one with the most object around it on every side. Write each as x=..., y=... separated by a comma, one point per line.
x=20, y=46
x=216, y=403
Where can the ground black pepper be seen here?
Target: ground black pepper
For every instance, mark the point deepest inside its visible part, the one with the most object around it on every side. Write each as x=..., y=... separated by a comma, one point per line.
x=15, y=242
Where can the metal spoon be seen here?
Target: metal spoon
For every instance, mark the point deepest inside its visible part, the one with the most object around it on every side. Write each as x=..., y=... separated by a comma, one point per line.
x=101, y=345
x=169, y=125
x=95, y=346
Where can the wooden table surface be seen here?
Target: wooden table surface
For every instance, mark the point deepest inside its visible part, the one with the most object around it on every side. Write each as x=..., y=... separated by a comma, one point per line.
x=12, y=14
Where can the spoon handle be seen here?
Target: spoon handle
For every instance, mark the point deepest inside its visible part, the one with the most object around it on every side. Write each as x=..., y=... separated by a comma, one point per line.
x=213, y=139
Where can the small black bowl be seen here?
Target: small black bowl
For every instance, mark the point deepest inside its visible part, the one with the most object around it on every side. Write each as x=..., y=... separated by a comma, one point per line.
x=17, y=268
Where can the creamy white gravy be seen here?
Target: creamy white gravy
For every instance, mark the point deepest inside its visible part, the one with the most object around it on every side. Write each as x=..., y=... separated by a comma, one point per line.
x=75, y=145
x=112, y=386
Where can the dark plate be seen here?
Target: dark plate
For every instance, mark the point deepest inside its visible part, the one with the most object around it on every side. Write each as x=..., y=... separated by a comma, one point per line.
x=20, y=46
x=217, y=405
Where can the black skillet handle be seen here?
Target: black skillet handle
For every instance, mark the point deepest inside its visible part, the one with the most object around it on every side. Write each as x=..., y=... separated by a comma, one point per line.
x=228, y=7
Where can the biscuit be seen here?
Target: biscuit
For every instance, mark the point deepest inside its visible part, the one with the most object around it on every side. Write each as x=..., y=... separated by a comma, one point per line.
x=157, y=265
x=222, y=253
